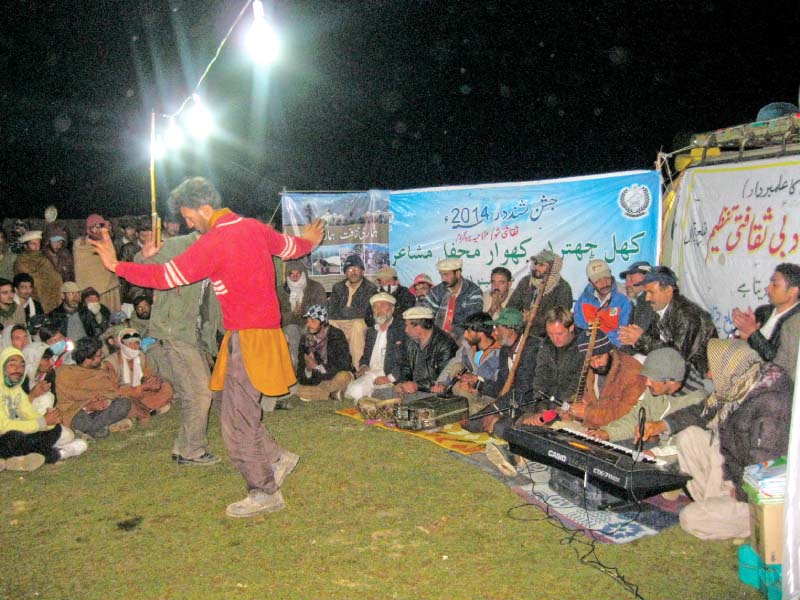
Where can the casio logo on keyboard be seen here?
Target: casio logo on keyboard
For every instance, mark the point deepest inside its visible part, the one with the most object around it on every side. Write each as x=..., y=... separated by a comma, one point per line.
x=605, y=475
x=557, y=456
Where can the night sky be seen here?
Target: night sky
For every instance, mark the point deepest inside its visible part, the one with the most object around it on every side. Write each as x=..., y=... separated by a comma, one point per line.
x=383, y=94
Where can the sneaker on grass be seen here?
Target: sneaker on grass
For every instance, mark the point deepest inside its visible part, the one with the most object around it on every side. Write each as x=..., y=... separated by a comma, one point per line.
x=74, y=448
x=123, y=425
x=285, y=465
x=29, y=462
x=256, y=503
x=203, y=460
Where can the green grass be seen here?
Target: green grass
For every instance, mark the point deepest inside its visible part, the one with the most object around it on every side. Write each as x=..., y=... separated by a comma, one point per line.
x=370, y=514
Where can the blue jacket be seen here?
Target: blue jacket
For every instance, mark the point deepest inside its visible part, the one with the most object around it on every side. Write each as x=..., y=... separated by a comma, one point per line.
x=616, y=313
x=469, y=301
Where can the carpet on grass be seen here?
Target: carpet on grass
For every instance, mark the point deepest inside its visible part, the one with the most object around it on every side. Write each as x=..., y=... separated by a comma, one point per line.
x=608, y=527
x=452, y=437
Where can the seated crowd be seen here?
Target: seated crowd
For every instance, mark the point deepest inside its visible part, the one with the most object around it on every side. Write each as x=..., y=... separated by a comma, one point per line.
x=76, y=366
x=591, y=365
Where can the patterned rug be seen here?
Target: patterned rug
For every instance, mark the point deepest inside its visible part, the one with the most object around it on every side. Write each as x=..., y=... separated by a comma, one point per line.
x=452, y=437
x=608, y=527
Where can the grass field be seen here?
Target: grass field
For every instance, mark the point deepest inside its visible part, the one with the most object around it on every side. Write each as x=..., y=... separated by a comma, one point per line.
x=370, y=514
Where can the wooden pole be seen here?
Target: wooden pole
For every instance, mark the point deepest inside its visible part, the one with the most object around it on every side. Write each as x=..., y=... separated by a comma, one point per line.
x=154, y=220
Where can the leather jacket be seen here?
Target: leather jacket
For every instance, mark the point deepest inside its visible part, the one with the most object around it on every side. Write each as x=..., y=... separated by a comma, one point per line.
x=437, y=353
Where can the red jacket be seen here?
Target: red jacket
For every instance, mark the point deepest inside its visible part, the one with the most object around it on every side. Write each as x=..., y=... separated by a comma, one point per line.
x=236, y=255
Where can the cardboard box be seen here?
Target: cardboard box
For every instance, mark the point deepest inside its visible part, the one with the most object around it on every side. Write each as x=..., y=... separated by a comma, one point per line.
x=766, y=531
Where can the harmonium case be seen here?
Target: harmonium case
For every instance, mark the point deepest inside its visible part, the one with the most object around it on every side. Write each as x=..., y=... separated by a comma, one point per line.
x=431, y=412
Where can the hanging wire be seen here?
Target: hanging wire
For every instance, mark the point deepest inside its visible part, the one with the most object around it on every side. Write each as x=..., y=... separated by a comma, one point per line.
x=210, y=64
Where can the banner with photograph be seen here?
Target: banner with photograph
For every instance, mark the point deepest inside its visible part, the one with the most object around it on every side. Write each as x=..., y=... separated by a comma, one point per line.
x=355, y=223
x=614, y=217
x=733, y=224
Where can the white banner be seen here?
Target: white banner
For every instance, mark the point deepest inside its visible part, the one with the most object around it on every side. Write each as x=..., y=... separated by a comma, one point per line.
x=733, y=224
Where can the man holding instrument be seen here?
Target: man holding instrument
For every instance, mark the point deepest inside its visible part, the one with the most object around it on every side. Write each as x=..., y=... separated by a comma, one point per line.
x=557, y=291
x=236, y=255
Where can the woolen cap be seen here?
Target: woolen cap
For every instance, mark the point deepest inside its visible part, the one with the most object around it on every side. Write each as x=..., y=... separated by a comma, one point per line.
x=545, y=256
x=597, y=269
x=510, y=317
x=418, y=312
x=354, y=260
x=642, y=267
x=386, y=272
x=382, y=297
x=449, y=264
x=602, y=345
x=318, y=312
x=69, y=286
x=664, y=364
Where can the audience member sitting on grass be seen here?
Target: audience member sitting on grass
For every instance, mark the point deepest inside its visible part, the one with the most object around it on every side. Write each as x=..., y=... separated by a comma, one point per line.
x=29, y=439
x=427, y=352
x=148, y=393
x=383, y=349
x=11, y=313
x=323, y=363
x=89, y=397
x=59, y=345
x=72, y=317
x=90, y=298
x=39, y=376
x=15, y=336
x=475, y=364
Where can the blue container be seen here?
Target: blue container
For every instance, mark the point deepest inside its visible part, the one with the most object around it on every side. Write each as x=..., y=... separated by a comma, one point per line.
x=750, y=564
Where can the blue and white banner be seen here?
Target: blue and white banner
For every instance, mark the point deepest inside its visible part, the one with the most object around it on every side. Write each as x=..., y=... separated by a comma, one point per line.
x=615, y=217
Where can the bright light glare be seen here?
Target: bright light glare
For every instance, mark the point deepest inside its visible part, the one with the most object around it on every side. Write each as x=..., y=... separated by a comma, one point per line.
x=262, y=41
x=173, y=136
x=199, y=121
x=158, y=150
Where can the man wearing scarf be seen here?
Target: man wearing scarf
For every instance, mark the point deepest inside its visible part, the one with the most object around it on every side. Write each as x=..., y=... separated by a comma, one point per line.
x=323, y=363
x=746, y=420
x=57, y=252
x=89, y=269
x=23, y=295
x=557, y=292
x=148, y=393
x=39, y=267
x=296, y=296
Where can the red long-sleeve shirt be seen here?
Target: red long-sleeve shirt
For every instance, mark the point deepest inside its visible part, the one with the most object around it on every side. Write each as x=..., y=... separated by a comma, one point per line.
x=236, y=255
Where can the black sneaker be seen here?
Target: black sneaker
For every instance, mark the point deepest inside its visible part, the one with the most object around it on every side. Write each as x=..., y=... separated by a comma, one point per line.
x=203, y=460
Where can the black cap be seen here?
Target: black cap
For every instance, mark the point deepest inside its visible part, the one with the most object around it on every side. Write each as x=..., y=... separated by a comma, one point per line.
x=642, y=267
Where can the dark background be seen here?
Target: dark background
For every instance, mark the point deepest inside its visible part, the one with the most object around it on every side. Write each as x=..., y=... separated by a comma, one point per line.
x=382, y=94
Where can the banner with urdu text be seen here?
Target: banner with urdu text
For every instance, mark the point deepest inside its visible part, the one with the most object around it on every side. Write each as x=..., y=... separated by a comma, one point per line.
x=355, y=223
x=732, y=225
x=614, y=217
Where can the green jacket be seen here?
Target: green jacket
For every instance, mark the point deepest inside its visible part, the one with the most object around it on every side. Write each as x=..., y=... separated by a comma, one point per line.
x=16, y=412
x=655, y=407
x=175, y=314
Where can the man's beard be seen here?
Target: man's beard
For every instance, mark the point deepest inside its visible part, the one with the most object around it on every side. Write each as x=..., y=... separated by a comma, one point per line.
x=603, y=371
x=144, y=316
x=382, y=319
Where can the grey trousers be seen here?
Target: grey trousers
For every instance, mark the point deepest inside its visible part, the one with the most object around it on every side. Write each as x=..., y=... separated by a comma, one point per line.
x=95, y=423
x=252, y=449
x=186, y=368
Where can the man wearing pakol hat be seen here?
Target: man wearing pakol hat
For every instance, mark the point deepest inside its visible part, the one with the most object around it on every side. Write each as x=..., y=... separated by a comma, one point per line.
x=508, y=328
x=428, y=349
x=296, y=295
x=58, y=253
x=37, y=265
x=349, y=307
x=420, y=288
x=454, y=299
x=745, y=421
x=678, y=323
x=324, y=366
x=557, y=292
x=387, y=281
x=383, y=349
x=601, y=301
x=663, y=372
x=89, y=269
x=72, y=317
x=613, y=383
